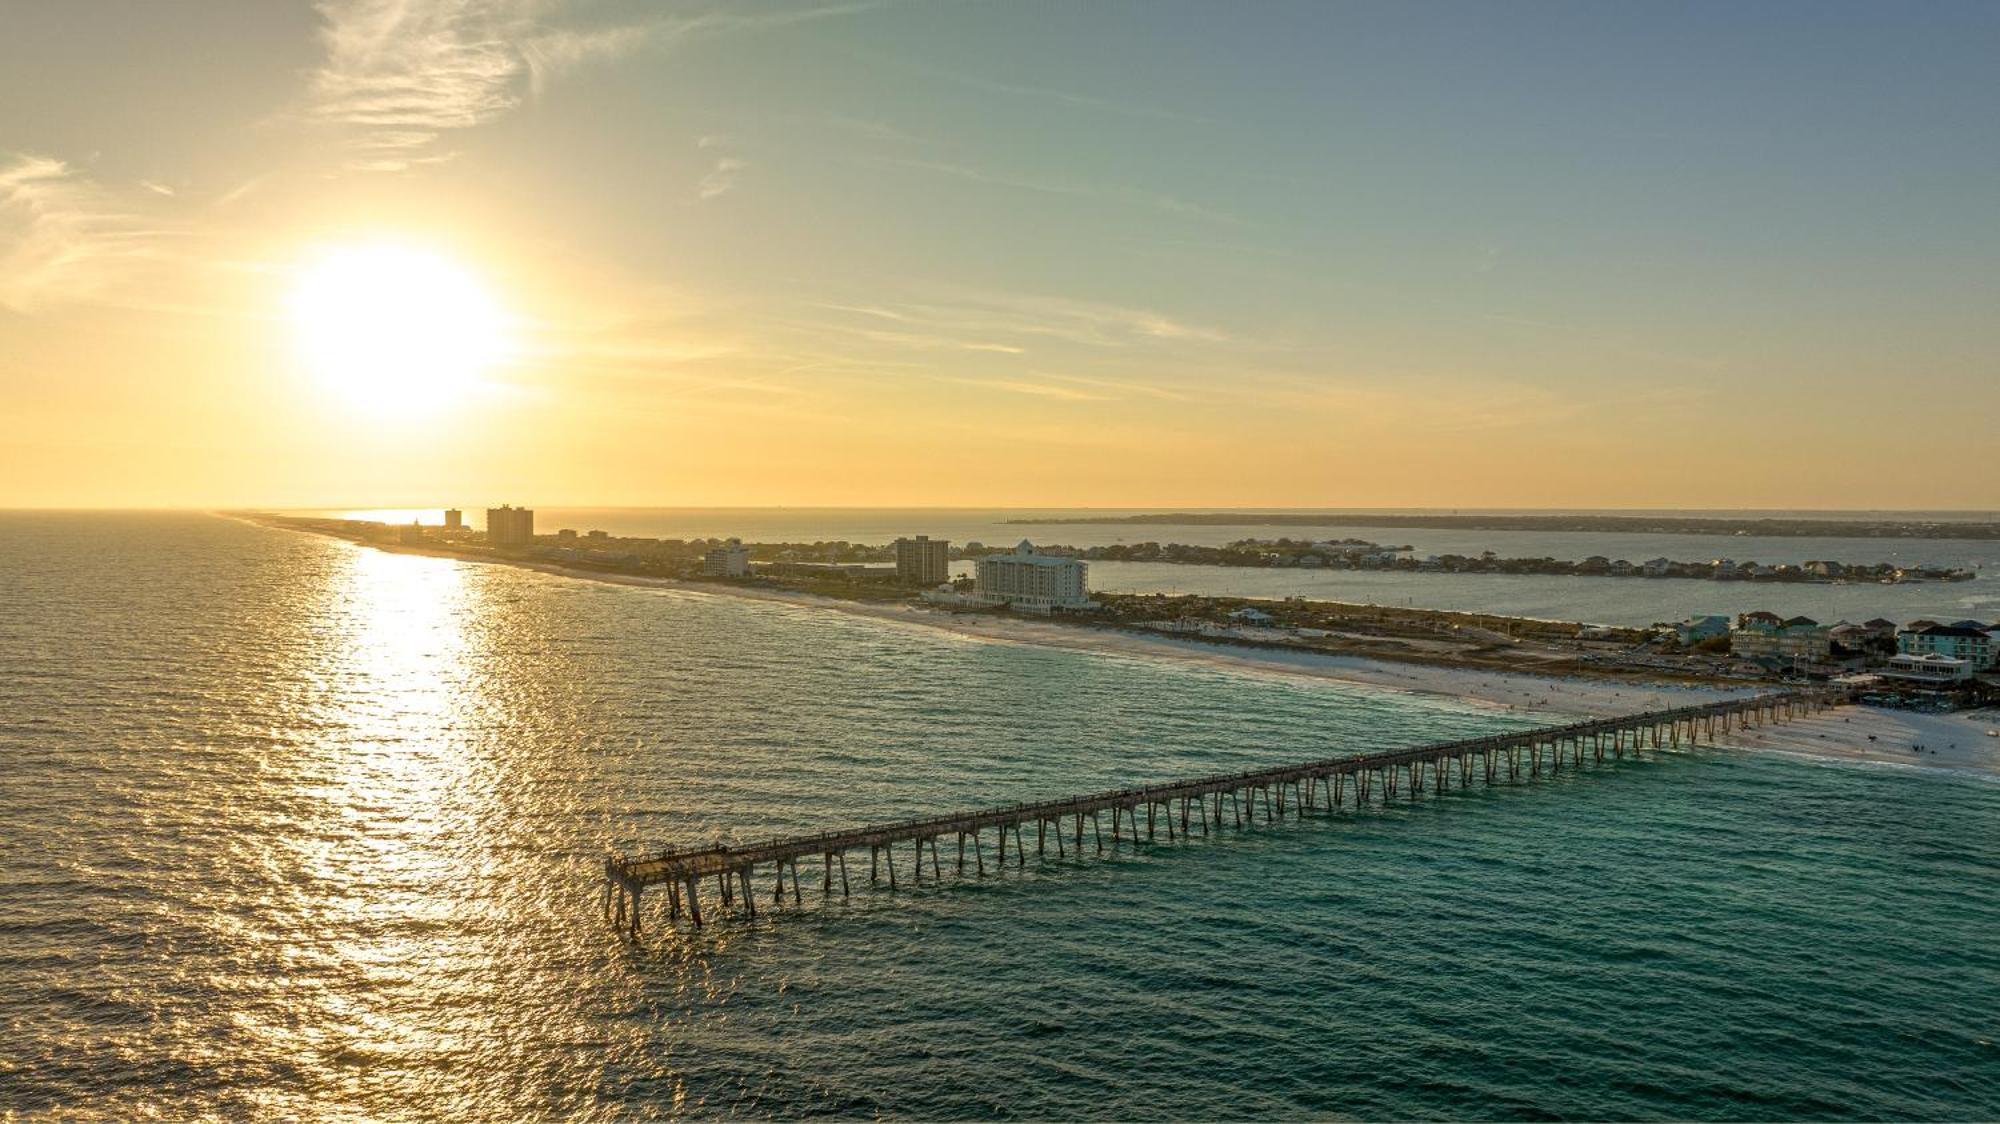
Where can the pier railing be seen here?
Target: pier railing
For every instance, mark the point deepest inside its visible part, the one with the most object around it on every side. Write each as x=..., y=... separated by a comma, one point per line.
x=1203, y=802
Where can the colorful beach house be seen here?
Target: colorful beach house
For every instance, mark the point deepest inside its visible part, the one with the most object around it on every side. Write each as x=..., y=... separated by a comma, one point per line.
x=1774, y=641
x=1706, y=626
x=1970, y=641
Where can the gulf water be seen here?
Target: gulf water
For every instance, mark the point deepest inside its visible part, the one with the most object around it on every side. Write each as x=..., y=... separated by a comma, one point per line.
x=296, y=829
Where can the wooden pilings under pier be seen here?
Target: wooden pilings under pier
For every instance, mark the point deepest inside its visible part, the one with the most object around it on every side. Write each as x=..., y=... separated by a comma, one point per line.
x=1169, y=812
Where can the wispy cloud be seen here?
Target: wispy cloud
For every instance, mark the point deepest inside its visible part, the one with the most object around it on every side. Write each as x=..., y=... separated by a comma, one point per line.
x=1072, y=388
x=1124, y=388
x=1036, y=389
x=403, y=74
x=548, y=54
x=907, y=335
x=1012, y=322
x=722, y=176
x=64, y=237
x=1079, y=321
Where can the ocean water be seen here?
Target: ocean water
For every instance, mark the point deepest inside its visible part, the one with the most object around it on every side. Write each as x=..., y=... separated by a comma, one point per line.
x=295, y=829
x=1617, y=601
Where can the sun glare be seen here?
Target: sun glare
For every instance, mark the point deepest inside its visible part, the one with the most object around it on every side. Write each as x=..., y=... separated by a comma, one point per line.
x=396, y=330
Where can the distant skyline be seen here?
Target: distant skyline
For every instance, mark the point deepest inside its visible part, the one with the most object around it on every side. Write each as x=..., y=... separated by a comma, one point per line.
x=1135, y=255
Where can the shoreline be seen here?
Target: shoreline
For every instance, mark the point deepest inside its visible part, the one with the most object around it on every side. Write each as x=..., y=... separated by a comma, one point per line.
x=1565, y=696
x=1852, y=734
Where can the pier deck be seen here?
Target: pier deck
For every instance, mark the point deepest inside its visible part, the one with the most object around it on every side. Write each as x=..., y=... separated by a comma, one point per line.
x=1174, y=810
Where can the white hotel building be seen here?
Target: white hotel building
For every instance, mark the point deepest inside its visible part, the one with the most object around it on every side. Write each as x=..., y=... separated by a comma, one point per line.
x=731, y=560
x=1033, y=583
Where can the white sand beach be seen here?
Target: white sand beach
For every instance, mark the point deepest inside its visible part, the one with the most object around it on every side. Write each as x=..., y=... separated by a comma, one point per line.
x=1898, y=737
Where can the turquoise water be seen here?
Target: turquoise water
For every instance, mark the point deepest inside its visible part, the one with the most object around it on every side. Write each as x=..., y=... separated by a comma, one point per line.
x=301, y=829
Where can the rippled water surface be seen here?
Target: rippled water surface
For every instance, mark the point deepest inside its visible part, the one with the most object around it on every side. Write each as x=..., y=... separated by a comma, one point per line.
x=298, y=829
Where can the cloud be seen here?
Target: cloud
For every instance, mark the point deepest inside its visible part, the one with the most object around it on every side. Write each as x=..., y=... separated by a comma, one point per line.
x=868, y=310
x=548, y=54
x=1078, y=321
x=1124, y=388
x=722, y=177
x=404, y=74
x=1010, y=322
x=64, y=237
x=1036, y=389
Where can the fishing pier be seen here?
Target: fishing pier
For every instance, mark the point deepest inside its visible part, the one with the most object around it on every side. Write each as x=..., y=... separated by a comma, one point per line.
x=1173, y=811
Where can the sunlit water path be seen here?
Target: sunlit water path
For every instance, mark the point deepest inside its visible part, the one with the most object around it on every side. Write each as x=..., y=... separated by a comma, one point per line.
x=297, y=828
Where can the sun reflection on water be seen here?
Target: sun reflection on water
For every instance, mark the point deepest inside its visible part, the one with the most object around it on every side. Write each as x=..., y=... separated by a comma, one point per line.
x=397, y=799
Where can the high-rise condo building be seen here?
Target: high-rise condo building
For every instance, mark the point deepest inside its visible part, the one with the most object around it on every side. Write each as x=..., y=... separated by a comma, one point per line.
x=923, y=561
x=1036, y=583
x=510, y=526
x=731, y=560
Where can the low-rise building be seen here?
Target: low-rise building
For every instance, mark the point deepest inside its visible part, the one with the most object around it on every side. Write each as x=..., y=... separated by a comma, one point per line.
x=1033, y=582
x=730, y=560
x=853, y=571
x=1767, y=639
x=1706, y=626
x=1252, y=616
x=1964, y=640
x=1929, y=667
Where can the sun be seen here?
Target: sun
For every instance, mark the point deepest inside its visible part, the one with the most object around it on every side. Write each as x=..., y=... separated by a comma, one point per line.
x=395, y=329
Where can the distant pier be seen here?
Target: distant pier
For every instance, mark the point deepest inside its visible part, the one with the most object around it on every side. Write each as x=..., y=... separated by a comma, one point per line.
x=1153, y=813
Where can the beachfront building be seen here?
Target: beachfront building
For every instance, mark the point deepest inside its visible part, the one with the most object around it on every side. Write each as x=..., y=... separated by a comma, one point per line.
x=1254, y=617
x=923, y=560
x=510, y=526
x=1768, y=639
x=1929, y=668
x=1705, y=626
x=454, y=519
x=1873, y=640
x=730, y=560
x=1964, y=640
x=1036, y=583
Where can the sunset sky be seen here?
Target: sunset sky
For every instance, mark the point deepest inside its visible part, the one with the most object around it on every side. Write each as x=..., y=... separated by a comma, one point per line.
x=409, y=252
